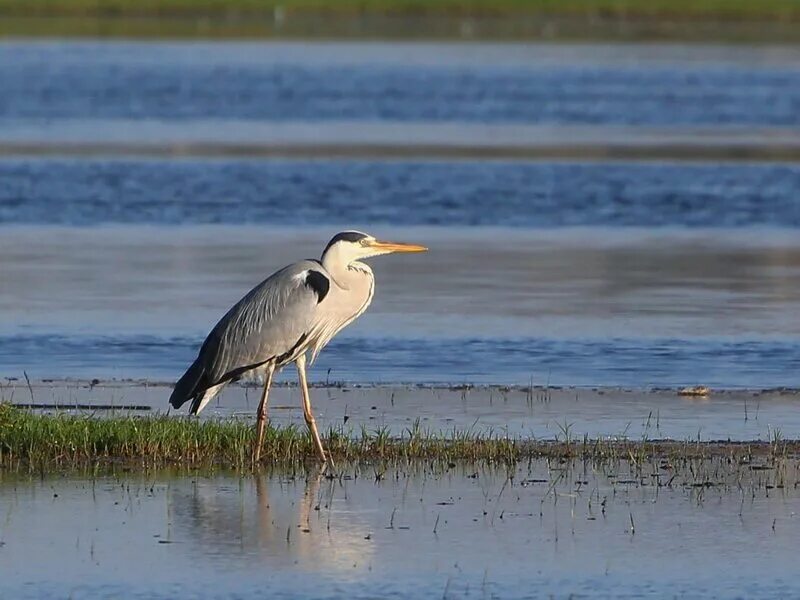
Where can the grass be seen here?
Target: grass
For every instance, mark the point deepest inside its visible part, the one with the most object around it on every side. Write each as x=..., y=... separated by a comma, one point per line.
x=699, y=20
x=691, y=9
x=55, y=441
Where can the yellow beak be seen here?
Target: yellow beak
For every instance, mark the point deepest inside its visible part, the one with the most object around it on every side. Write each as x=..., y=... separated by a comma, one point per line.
x=397, y=246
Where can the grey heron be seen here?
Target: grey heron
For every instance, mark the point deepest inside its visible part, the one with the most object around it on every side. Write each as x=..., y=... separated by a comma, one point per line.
x=294, y=312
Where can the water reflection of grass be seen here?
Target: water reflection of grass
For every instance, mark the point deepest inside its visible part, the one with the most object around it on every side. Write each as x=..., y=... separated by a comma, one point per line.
x=565, y=19
x=53, y=441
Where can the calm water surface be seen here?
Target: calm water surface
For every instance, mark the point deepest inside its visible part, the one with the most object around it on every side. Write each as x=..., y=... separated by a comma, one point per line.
x=486, y=305
x=645, y=274
x=420, y=532
x=635, y=274
x=620, y=273
x=399, y=82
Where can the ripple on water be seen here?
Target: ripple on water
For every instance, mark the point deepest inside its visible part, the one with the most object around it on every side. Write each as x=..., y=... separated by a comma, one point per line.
x=398, y=193
x=639, y=363
x=418, y=532
x=44, y=81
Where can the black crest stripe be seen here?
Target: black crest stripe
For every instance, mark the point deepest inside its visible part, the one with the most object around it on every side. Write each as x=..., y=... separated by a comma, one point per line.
x=346, y=236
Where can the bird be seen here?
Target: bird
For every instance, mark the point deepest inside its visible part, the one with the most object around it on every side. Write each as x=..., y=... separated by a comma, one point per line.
x=287, y=318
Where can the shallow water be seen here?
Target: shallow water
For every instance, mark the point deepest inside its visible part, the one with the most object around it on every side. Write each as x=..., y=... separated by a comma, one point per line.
x=408, y=99
x=92, y=192
x=637, y=274
x=540, y=412
x=398, y=82
x=717, y=531
x=569, y=307
x=634, y=275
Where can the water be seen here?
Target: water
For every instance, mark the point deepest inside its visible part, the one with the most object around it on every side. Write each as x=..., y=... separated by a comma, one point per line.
x=717, y=531
x=628, y=273
x=319, y=82
x=389, y=99
x=569, y=306
x=541, y=413
x=576, y=362
x=93, y=192
x=606, y=283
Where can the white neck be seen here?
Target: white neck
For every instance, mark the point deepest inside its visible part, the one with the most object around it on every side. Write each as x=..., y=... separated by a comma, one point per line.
x=343, y=270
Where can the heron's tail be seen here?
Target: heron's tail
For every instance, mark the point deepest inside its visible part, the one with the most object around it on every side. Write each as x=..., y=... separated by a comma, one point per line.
x=189, y=386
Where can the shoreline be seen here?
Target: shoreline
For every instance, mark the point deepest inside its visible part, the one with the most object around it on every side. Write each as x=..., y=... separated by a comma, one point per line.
x=45, y=442
x=8, y=382
x=413, y=140
x=532, y=411
x=768, y=152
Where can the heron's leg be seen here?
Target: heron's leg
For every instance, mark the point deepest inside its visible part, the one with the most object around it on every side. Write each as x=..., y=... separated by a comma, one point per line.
x=310, y=421
x=261, y=419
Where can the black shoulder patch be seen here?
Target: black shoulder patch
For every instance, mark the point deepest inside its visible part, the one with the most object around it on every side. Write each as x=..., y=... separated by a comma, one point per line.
x=346, y=236
x=319, y=283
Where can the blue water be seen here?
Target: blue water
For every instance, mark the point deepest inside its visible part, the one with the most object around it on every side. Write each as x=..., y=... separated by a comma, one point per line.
x=338, y=192
x=632, y=363
x=634, y=274
x=668, y=294
x=405, y=585
x=521, y=294
x=265, y=82
x=421, y=532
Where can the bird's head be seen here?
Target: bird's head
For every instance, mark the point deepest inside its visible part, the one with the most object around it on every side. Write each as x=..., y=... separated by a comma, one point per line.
x=348, y=246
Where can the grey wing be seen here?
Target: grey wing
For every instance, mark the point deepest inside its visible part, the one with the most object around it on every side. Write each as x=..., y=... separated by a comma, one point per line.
x=271, y=322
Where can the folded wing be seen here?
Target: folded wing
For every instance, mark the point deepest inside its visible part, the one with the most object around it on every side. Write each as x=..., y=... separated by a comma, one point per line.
x=271, y=323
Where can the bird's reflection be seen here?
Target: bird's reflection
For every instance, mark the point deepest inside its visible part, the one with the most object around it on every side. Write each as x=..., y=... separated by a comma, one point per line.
x=270, y=517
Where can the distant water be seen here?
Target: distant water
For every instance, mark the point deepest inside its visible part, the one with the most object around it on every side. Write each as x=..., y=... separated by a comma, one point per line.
x=379, y=82
x=634, y=274
x=338, y=192
x=632, y=363
x=604, y=273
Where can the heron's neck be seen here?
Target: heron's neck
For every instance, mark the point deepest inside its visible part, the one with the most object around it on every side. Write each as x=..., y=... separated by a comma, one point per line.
x=345, y=275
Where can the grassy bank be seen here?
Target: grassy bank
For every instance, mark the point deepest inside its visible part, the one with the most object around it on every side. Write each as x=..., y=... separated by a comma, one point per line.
x=767, y=20
x=683, y=9
x=53, y=441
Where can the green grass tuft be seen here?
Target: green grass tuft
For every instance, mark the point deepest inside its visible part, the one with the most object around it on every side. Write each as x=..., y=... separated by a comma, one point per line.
x=30, y=440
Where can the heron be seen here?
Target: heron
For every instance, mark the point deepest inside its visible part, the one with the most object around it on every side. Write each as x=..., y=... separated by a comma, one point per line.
x=288, y=317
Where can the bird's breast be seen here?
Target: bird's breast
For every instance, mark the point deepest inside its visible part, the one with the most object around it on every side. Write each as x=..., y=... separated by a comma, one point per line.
x=350, y=301
x=343, y=305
